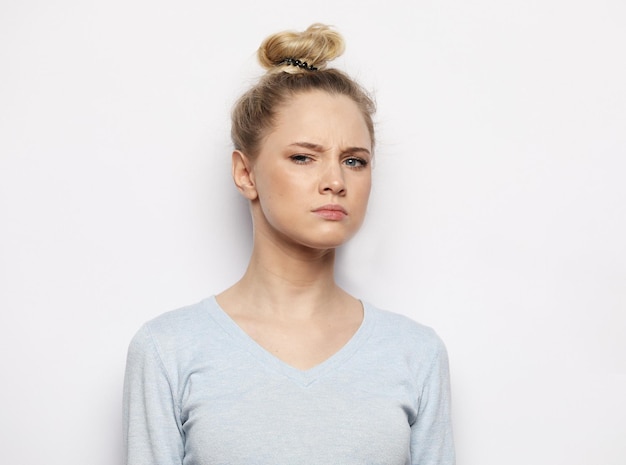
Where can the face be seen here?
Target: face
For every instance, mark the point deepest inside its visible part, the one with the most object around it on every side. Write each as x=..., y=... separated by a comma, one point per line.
x=310, y=183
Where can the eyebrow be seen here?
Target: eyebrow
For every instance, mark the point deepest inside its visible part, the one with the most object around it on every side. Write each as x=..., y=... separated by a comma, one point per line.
x=319, y=148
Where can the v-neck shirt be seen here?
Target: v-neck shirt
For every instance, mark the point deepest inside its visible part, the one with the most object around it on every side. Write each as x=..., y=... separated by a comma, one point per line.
x=200, y=391
x=271, y=362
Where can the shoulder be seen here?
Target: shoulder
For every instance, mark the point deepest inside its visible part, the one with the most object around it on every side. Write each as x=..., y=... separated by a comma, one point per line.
x=175, y=331
x=188, y=319
x=402, y=328
x=405, y=339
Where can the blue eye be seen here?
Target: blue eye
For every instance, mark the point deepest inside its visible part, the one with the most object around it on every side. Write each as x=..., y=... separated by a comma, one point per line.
x=354, y=162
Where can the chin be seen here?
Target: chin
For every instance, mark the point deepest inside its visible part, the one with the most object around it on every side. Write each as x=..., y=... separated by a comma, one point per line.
x=315, y=237
x=327, y=242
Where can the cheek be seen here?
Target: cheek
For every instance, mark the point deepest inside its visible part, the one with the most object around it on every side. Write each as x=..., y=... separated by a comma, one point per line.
x=276, y=195
x=364, y=197
x=368, y=187
x=273, y=189
x=364, y=189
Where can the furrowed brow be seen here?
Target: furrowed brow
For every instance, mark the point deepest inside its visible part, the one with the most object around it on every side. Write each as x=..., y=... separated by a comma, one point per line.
x=308, y=145
x=351, y=150
x=319, y=148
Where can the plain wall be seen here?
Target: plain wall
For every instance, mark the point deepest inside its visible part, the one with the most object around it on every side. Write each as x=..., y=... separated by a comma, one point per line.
x=497, y=214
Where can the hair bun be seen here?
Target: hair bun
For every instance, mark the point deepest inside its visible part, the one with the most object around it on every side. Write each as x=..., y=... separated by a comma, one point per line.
x=314, y=47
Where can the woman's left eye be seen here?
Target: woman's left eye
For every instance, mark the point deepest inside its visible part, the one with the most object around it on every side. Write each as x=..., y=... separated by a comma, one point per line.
x=354, y=162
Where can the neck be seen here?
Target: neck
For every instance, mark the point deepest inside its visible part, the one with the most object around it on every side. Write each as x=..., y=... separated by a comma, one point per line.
x=286, y=280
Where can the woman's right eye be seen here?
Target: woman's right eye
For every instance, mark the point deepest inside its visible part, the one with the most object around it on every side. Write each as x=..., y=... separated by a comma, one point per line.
x=301, y=159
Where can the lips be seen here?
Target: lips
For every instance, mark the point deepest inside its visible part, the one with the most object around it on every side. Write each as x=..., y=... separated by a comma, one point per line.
x=331, y=212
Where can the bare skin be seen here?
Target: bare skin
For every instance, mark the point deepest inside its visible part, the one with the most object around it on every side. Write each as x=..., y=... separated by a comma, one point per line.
x=298, y=318
x=287, y=300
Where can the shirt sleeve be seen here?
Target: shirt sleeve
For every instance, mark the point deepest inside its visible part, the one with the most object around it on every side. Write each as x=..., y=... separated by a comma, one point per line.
x=431, y=434
x=152, y=430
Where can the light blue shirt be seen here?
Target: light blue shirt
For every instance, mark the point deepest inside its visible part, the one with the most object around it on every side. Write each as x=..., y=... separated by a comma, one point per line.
x=199, y=391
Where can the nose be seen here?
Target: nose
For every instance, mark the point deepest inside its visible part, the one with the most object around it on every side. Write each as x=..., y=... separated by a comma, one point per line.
x=332, y=180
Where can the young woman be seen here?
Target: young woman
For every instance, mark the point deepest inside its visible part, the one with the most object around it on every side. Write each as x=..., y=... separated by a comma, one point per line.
x=285, y=367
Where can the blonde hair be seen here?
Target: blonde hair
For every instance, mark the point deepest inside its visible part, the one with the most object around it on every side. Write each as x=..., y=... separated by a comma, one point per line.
x=316, y=46
x=296, y=62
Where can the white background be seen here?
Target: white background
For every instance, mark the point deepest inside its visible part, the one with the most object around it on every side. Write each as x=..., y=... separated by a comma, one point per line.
x=497, y=215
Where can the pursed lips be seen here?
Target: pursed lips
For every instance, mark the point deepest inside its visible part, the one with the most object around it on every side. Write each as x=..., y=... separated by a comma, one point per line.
x=331, y=212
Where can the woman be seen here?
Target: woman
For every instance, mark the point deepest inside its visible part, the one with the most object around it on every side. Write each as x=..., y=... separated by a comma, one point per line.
x=285, y=367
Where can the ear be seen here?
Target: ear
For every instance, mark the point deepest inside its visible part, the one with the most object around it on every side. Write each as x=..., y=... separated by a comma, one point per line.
x=243, y=175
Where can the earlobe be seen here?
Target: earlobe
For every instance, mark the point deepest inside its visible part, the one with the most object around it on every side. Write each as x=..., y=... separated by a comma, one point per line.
x=243, y=175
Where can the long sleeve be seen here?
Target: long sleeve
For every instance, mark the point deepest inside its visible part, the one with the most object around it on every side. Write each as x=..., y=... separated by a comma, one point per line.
x=152, y=431
x=431, y=434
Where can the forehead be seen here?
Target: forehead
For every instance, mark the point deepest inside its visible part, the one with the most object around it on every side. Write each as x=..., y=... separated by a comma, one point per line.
x=330, y=118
